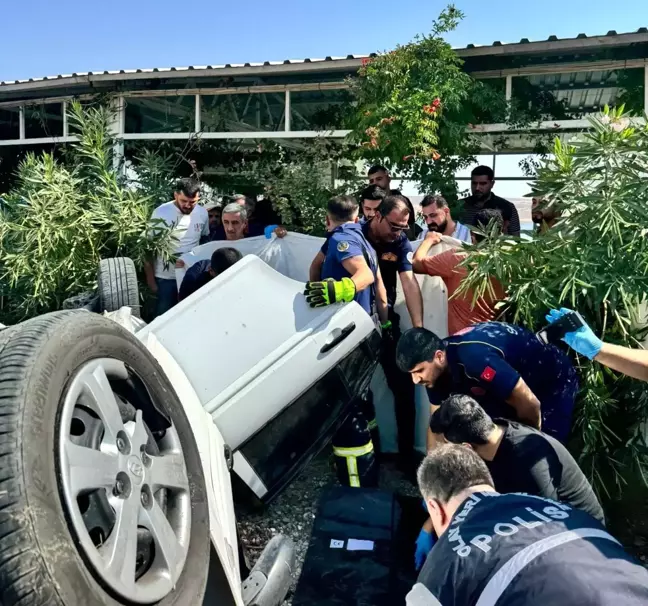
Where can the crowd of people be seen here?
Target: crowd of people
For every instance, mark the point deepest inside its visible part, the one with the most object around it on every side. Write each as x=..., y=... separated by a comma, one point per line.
x=192, y=224
x=512, y=518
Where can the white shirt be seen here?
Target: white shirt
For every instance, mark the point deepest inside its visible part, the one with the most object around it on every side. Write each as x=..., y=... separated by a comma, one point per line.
x=187, y=231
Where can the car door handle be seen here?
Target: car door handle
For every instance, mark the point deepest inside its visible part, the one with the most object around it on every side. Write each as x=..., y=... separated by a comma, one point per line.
x=344, y=333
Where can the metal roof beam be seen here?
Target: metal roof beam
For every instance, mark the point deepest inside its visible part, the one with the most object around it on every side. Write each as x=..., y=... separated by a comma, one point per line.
x=547, y=46
x=559, y=68
x=235, y=90
x=218, y=72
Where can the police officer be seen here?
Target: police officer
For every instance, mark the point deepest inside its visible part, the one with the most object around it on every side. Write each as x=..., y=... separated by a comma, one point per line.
x=379, y=176
x=514, y=549
x=346, y=269
x=386, y=221
x=506, y=368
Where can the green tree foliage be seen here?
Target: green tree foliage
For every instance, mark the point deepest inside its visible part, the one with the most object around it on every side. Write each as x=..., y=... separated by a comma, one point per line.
x=414, y=107
x=300, y=180
x=63, y=217
x=594, y=260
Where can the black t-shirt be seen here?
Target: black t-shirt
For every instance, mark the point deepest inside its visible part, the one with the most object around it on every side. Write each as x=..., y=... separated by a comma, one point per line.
x=508, y=210
x=520, y=550
x=532, y=462
x=393, y=258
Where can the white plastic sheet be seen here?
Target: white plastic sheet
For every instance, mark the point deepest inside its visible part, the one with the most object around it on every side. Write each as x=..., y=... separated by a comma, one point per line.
x=292, y=256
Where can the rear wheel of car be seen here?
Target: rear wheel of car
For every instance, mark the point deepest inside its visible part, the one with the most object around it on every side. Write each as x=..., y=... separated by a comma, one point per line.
x=103, y=499
x=117, y=283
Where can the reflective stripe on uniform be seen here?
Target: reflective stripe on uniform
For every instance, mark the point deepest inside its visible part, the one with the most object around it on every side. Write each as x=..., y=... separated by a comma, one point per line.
x=354, y=451
x=501, y=580
x=372, y=424
x=351, y=455
x=352, y=468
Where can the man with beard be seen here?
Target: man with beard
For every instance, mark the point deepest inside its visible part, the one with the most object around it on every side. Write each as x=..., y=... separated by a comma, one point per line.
x=465, y=309
x=506, y=368
x=215, y=211
x=482, y=180
x=437, y=217
x=543, y=215
x=189, y=222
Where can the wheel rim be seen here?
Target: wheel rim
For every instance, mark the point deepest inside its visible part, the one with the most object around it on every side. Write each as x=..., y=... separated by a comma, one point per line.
x=118, y=468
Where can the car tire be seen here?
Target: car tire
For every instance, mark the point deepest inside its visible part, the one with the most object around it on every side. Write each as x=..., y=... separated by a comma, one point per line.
x=117, y=282
x=52, y=371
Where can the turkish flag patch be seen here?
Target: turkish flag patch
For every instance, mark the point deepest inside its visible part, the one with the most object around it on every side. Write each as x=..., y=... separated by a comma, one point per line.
x=488, y=374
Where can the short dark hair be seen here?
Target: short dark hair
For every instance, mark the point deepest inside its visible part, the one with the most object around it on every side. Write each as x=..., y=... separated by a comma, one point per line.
x=224, y=258
x=377, y=168
x=450, y=469
x=188, y=186
x=461, y=419
x=392, y=201
x=417, y=345
x=373, y=192
x=440, y=201
x=483, y=171
x=342, y=208
x=488, y=218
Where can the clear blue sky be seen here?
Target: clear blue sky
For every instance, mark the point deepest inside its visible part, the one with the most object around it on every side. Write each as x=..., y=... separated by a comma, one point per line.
x=49, y=37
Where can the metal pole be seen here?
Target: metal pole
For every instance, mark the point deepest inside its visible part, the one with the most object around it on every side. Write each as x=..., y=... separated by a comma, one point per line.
x=197, y=116
x=287, y=112
x=646, y=89
x=21, y=123
x=65, y=119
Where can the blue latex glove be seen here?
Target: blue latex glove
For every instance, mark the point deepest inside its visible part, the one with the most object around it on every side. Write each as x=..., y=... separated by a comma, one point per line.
x=269, y=230
x=424, y=544
x=583, y=340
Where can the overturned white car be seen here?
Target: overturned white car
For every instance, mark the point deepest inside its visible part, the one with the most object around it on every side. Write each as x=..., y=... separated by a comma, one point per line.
x=117, y=447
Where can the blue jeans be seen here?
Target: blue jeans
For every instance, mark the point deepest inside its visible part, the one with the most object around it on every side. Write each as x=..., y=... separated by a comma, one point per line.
x=167, y=295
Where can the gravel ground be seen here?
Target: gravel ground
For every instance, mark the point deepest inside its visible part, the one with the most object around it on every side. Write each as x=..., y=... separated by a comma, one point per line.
x=293, y=512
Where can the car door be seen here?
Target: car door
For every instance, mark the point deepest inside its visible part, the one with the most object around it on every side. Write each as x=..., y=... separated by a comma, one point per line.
x=275, y=375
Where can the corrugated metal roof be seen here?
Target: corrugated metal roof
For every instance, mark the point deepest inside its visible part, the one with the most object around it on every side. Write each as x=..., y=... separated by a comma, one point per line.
x=468, y=50
x=156, y=70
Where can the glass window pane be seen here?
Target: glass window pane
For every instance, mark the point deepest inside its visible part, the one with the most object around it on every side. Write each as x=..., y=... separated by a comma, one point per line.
x=9, y=123
x=45, y=120
x=318, y=110
x=508, y=165
x=249, y=112
x=161, y=114
x=572, y=95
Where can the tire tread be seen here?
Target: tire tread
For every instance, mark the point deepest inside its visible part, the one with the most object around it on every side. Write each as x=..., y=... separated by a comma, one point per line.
x=117, y=281
x=24, y=580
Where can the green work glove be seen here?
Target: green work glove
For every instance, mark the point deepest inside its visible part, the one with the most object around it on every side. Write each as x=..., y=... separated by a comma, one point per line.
x=327, y=292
